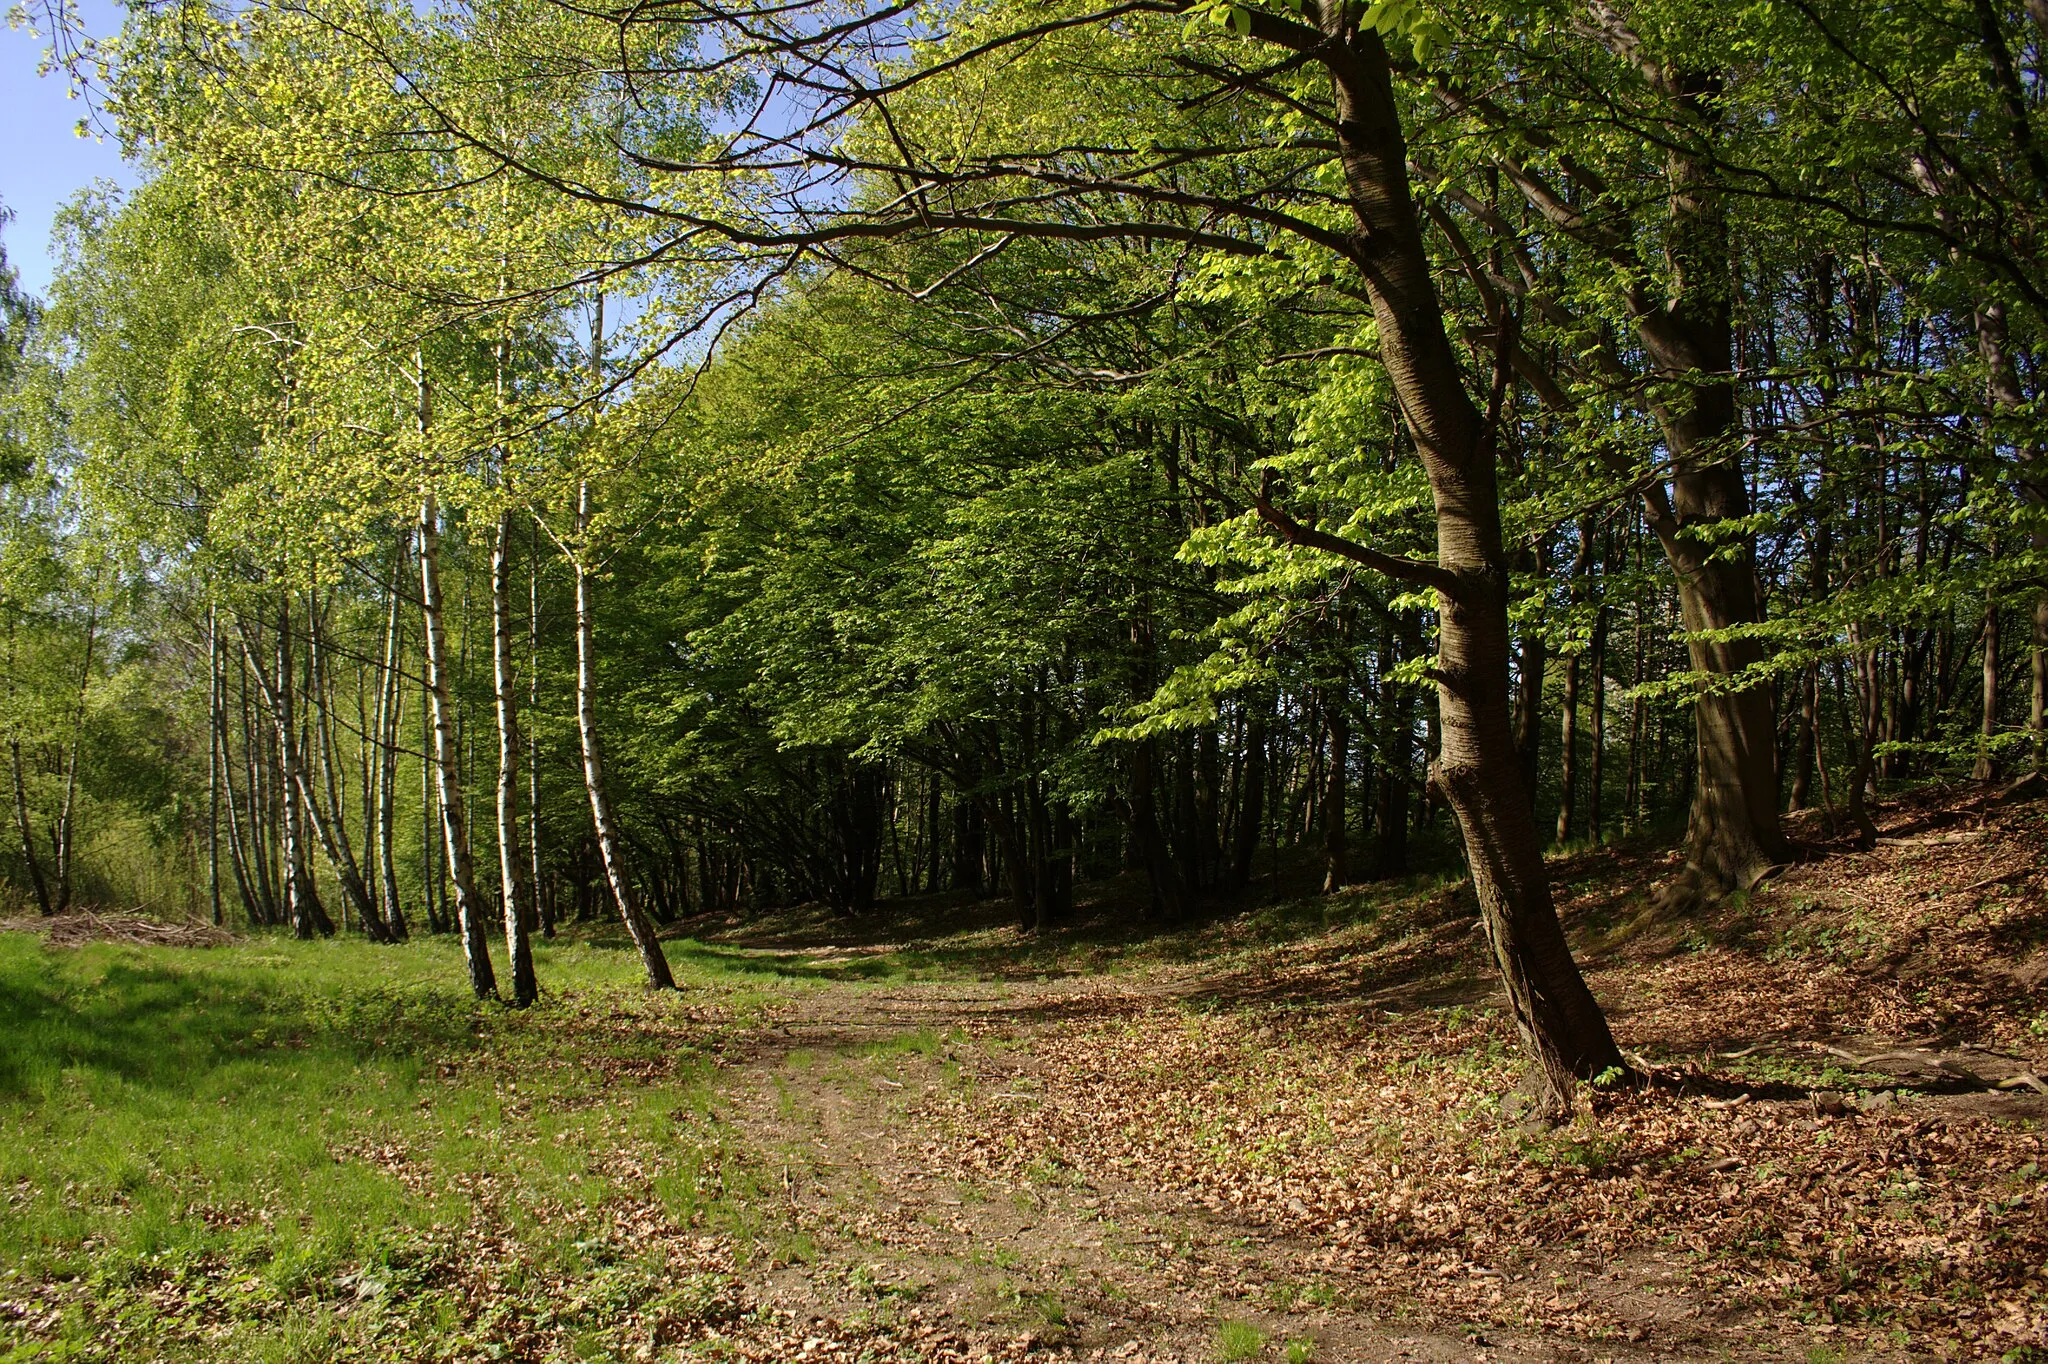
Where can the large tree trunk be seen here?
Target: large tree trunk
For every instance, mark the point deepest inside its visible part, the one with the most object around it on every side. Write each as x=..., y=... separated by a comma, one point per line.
x=504, y=688
x=2005, y=395
x=609, y=844
x=1562, y=1028
x=1735, y=836
x=469, y=908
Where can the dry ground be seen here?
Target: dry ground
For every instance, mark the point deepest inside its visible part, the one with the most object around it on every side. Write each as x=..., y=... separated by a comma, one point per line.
x=1308, y=1138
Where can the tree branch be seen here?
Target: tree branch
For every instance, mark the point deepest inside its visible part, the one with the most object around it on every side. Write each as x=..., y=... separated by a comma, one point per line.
x=1405, y=569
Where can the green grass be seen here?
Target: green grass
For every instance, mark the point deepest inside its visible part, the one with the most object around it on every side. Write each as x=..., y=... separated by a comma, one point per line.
x=282, y=1150
x=1239, y=1340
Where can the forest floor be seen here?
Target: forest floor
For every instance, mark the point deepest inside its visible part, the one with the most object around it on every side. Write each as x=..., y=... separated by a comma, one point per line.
x=1287, y=1133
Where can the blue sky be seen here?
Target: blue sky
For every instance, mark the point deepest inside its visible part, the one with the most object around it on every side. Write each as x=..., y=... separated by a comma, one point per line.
x=42, y=161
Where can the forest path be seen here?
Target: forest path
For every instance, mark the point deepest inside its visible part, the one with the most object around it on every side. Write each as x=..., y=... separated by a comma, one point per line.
x=1248, y=1135
x=852, y=1097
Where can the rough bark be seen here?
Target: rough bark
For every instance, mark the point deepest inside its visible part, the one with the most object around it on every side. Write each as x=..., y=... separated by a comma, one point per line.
x=1562, y=1028
x=1735, y=836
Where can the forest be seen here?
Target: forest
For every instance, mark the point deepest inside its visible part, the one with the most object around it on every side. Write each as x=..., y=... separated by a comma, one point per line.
x=1175, y=564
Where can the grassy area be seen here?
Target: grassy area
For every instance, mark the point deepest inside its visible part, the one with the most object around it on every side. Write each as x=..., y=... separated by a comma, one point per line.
x=330, y=1142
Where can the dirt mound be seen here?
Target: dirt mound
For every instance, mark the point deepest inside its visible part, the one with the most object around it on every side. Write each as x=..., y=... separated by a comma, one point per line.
x=82, y=927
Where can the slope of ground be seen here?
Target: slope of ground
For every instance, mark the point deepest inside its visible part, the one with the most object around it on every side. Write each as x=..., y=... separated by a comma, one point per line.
x=1289, y=1133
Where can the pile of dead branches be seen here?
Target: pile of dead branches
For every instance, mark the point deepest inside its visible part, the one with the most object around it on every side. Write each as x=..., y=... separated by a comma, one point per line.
x=80, y=927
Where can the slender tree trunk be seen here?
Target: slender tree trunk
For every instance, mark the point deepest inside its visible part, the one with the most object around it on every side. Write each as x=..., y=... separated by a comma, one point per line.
x=330, y=822
x=390, y=700
x=1596, y=773
x=1532, y=660
x=2037, y=718
x=1207, y=829
x=609, y=844
x=302, y=800
x=67, y=810
x=1397, y=767
x=1251, y=815
x=251, y=906
x=1804, y=740
x=297, y=894
x=1336, y=789
x=260, y=841
x=469, y=907
x=213, y=764
x=543, y=900
x=1862, y=747
x=430, y=819
x=505, y=684
x=1986, y=768
x=2005, y=395
x=22, y=824
x=1568, y=718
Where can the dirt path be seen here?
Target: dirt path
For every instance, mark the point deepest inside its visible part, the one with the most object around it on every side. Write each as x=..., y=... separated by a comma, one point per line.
x=837, y=1092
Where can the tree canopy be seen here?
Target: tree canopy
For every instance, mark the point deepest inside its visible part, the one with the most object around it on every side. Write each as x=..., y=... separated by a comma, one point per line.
x=1147, y=452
